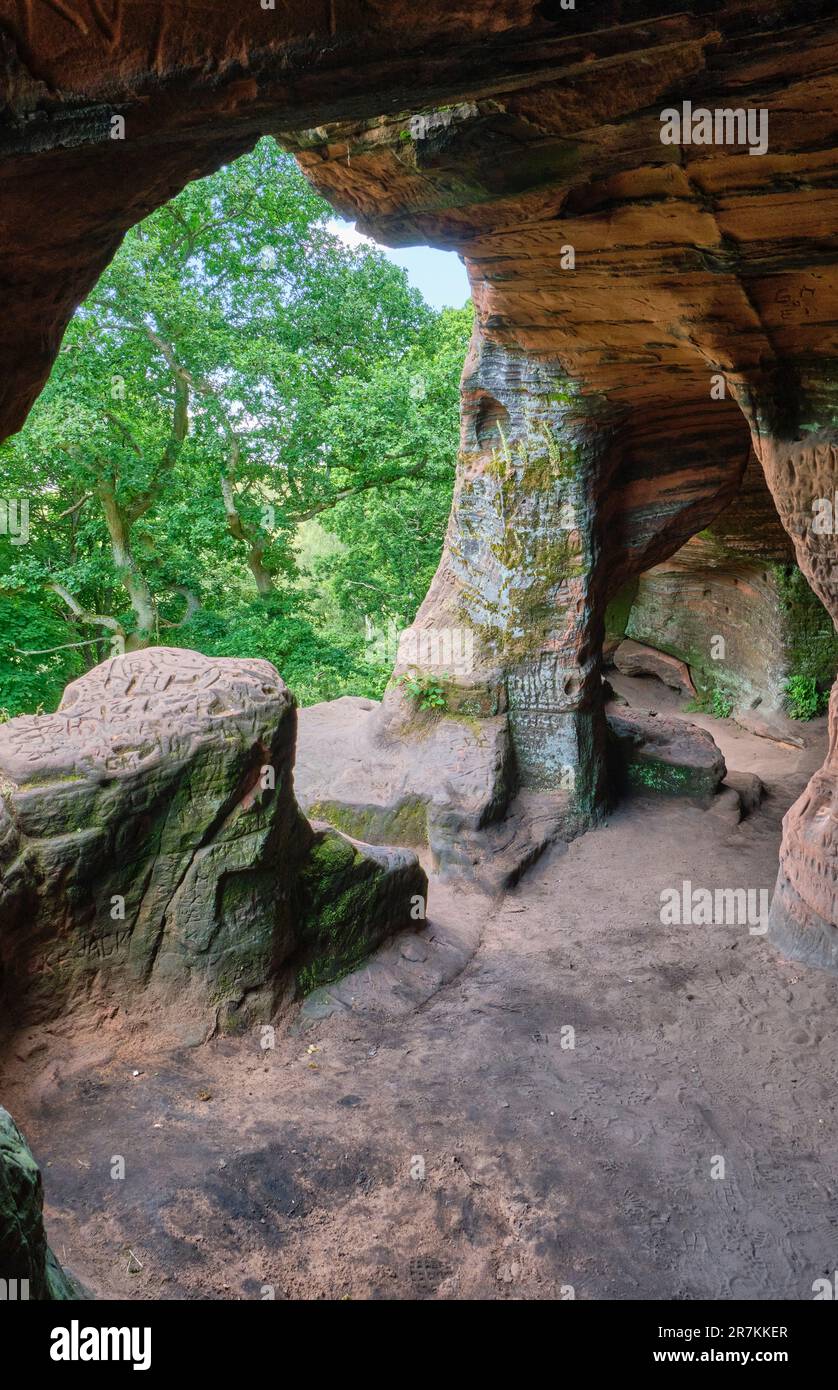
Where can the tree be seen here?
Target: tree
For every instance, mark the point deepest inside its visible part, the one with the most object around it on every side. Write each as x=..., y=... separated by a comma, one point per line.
x=236, y=372
x=405, y=417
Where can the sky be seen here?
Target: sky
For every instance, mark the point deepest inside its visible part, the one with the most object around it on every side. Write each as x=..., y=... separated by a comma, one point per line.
x=440, y=276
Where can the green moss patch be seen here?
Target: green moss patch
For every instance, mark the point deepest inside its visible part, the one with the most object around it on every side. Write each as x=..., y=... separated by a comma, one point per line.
x=342, y=912
x=405, y=824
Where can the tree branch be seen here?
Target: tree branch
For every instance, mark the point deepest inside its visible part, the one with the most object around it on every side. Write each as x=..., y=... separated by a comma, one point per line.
x=193, y=604
x=145, y=500
x=65, y=646
x=75, y=507
x=97, y=619
x=371, y=483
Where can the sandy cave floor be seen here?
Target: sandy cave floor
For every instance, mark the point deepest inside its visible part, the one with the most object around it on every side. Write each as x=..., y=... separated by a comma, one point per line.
x=546, y=1168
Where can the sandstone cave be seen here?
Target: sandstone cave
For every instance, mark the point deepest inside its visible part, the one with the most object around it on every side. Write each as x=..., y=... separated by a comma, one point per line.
x=514, y=979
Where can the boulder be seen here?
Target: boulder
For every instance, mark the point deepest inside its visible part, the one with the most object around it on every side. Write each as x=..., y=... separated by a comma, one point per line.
x=634, y=659
x=28, y=1268
x=726, y=806
x=150, y=841
x=666, y=757
x=441, y=781
x=773, y=725
x=748, y=787
x=351, y=896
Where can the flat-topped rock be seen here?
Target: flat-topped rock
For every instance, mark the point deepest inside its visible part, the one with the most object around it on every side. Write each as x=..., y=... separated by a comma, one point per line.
x=776, y=726
x=448, y=779
x=150, y=841
x=668, y=757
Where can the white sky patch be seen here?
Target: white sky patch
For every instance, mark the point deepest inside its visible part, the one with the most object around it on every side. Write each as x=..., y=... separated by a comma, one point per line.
x=348, y=233
x=440, y=276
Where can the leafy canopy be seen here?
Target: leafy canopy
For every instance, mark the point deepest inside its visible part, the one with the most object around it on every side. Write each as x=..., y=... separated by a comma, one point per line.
x=238, y=380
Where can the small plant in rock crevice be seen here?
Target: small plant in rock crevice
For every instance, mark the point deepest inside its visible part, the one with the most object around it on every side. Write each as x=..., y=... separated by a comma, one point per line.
x=426, y=692
x=717, y=701
x=721, y=704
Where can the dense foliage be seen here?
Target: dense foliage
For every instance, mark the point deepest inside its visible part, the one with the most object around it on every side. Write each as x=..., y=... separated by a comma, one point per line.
x=246, y=446
x=813, y=656
x=803, y=699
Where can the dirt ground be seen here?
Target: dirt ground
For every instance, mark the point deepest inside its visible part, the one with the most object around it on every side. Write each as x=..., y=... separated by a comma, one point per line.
x=442, y=1139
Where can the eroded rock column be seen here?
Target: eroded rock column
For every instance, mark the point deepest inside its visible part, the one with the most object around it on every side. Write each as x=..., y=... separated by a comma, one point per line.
x=802, y=473
x=519, y=599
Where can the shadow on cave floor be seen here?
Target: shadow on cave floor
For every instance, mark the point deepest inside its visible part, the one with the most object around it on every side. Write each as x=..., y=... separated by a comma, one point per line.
x=545, y=1166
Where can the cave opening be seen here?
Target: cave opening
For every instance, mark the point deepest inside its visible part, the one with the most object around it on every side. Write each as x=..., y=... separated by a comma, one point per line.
x=246, y=447
x=467, y=951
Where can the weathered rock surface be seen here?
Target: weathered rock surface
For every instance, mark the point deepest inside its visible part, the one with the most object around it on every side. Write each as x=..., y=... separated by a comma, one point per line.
x=151, y=841
x=447, y=786
x=803, y=921
x=734, y=607
x=350, y=897
x=772, y=725
x=653, y=754
x=737, y=798
x=436, y=781
x=634, y=659
x=507, y=129
x=353, y=773
x=541, y=535
x=28, y=1268
x=749, y=788
x=407, y=971
x=512, y=132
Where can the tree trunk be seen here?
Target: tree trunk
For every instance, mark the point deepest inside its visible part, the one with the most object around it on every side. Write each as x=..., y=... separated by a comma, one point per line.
x=130, y=575
x=255, y=544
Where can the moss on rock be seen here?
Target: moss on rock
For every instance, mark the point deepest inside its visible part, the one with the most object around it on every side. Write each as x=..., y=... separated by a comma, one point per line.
x=405, y=824
x=348, y=901
x=24, y=1253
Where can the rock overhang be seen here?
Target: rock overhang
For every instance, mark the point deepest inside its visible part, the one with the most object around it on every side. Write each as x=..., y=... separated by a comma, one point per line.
x=503, y=131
